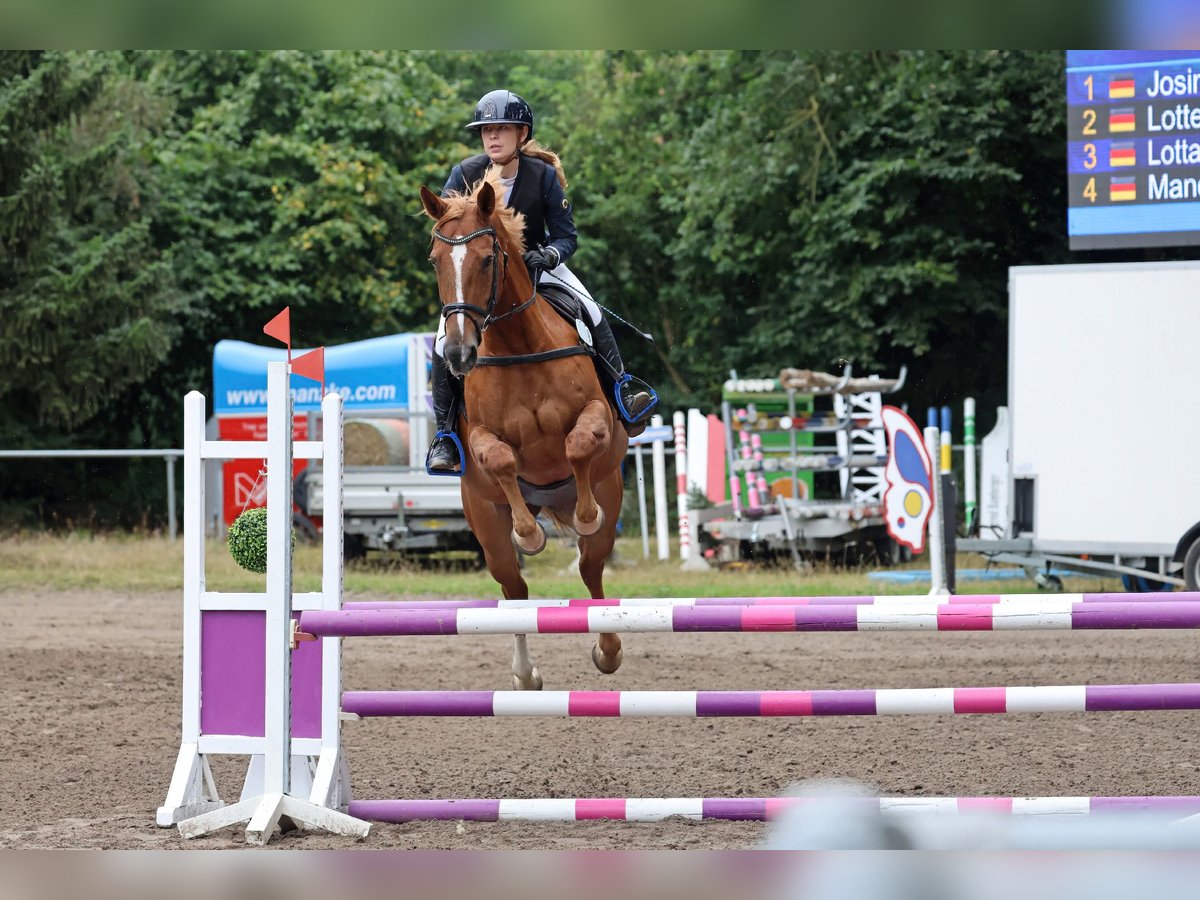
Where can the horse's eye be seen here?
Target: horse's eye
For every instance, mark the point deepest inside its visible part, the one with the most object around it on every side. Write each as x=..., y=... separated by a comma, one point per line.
x=487, y=261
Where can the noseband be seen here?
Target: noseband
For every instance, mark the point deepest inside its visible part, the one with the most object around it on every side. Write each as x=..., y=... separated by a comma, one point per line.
x=472, y=310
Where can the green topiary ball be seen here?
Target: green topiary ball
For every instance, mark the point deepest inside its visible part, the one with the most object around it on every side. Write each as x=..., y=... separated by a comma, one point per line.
x=248, y=540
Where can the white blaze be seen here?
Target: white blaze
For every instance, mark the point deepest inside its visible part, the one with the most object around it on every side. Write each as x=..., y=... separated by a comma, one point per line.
x=457, y=254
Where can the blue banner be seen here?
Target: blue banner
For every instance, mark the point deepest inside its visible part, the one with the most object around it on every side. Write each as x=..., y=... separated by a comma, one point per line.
x=370, y=375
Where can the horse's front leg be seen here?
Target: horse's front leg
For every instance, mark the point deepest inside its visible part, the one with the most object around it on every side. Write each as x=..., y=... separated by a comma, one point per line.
x=587, y=442
x=499, y=461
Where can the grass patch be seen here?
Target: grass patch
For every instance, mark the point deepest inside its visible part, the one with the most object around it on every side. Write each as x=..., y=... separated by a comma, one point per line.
x=133, y=563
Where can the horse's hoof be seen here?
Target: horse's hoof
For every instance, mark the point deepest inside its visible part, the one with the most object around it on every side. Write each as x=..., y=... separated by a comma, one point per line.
x=539, y=542
x=604, y=663
x=535, y=682
x=585, y=529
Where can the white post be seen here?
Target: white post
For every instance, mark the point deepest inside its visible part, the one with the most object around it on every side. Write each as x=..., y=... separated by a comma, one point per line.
x=641, y=492
x=193, y=559
x=681, y=483
x=276, y=804
x=192, y=790
x=971, y=504
x=936, y=538
x=330, y=783
x=659, y=458
x=277, y=727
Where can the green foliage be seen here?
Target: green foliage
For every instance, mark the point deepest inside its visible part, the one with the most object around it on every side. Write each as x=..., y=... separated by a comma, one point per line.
x=944, y=169
x=774, y=209
x=291, y=180
x=87, y=305
x=247, y=540
x=752, y=210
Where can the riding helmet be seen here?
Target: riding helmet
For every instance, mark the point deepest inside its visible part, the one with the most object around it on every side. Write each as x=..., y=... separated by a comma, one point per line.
x=502, y=108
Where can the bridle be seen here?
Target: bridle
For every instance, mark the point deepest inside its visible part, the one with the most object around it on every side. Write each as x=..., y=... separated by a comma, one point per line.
x=479, y=316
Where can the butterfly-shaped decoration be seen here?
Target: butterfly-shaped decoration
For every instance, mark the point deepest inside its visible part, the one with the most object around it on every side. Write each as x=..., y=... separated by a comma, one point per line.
x=908, y=500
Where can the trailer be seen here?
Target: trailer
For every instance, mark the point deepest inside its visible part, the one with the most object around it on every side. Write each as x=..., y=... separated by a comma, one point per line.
x=1094, y=466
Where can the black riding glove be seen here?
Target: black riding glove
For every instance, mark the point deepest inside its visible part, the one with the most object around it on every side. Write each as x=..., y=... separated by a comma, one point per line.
x=545, y=260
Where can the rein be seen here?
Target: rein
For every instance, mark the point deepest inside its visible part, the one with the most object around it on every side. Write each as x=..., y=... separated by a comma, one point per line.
x=489, y=318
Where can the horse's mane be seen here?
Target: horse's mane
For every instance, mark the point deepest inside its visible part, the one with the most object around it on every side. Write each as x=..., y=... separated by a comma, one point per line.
x=509, y=220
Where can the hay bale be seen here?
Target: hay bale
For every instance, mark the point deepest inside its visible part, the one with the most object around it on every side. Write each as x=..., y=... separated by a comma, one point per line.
x=376, y=442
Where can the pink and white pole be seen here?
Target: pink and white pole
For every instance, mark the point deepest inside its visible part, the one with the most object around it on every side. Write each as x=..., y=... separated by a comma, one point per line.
x=751, y=809
x=1089, y=698
x=679, y=420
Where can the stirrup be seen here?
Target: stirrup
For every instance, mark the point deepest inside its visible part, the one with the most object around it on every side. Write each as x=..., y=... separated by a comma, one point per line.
x=462, y=457
x=620, y=383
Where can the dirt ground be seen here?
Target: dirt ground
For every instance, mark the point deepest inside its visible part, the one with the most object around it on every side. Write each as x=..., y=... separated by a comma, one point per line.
x=90, y=718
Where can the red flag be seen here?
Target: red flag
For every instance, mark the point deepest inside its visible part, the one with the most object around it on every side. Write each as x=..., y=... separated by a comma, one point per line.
x=311, y=365
x=280, y=328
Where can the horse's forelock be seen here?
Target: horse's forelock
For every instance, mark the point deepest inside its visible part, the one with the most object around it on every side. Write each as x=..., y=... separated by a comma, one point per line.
x=511, y=221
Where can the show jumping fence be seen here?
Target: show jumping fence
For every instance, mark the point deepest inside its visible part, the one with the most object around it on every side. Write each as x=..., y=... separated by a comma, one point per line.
x=297, y=770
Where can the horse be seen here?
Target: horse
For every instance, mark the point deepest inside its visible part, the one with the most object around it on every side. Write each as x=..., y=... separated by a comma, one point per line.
x=538, y=433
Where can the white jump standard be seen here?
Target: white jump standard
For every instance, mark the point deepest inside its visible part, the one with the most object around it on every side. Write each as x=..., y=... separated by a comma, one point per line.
x=296, y=775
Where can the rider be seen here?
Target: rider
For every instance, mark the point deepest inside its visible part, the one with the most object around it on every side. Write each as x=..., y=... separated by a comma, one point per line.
x=534, y=182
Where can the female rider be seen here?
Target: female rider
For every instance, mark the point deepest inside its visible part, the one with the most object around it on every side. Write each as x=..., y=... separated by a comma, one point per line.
x=534, y=183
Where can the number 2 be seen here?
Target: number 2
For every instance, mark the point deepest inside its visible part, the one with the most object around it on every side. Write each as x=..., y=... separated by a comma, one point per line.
x=1089, y=121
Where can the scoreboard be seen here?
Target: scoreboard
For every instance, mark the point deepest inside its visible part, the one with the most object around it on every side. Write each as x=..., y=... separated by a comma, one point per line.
x=1133, y=148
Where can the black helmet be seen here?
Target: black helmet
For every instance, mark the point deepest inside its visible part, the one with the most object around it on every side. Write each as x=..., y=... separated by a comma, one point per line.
x=502, y=108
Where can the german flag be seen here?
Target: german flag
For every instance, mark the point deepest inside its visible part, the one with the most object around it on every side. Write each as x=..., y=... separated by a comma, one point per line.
x=1122, y=189
x=1120, y=87
x=1122, y=153
x=1121, y=119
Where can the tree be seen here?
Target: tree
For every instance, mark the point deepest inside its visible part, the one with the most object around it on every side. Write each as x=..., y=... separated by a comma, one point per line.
x=867, y=207
x=87, y=306
x=296, y=185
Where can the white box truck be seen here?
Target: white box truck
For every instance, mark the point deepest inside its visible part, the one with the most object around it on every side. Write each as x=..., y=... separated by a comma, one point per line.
x=1103, y=425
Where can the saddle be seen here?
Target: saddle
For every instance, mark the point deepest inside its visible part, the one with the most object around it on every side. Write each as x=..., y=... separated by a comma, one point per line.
x=563, y=302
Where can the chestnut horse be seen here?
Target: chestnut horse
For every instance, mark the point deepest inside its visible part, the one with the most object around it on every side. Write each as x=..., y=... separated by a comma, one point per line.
x=537, y=431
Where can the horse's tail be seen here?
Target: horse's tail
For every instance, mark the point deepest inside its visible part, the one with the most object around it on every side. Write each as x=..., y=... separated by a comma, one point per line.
x=563, y=520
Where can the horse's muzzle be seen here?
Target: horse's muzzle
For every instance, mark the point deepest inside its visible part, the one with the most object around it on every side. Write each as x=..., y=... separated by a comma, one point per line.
x=460, y=358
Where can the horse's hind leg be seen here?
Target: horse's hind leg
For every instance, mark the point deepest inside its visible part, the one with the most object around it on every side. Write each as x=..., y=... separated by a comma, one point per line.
x=587, y=442
x=594, y=551
x=492, y=524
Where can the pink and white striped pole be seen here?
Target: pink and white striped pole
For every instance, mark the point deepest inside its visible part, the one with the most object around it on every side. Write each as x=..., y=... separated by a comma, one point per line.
x=751, y=809
x=681, y=485
x=1089, y=698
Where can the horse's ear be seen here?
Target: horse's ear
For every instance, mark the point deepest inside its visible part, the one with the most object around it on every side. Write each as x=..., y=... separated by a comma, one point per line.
x=434, y=205
x=486, y=200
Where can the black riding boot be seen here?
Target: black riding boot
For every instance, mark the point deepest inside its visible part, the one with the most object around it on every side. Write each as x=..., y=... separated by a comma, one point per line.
x=443, y=457
x=633, y=403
